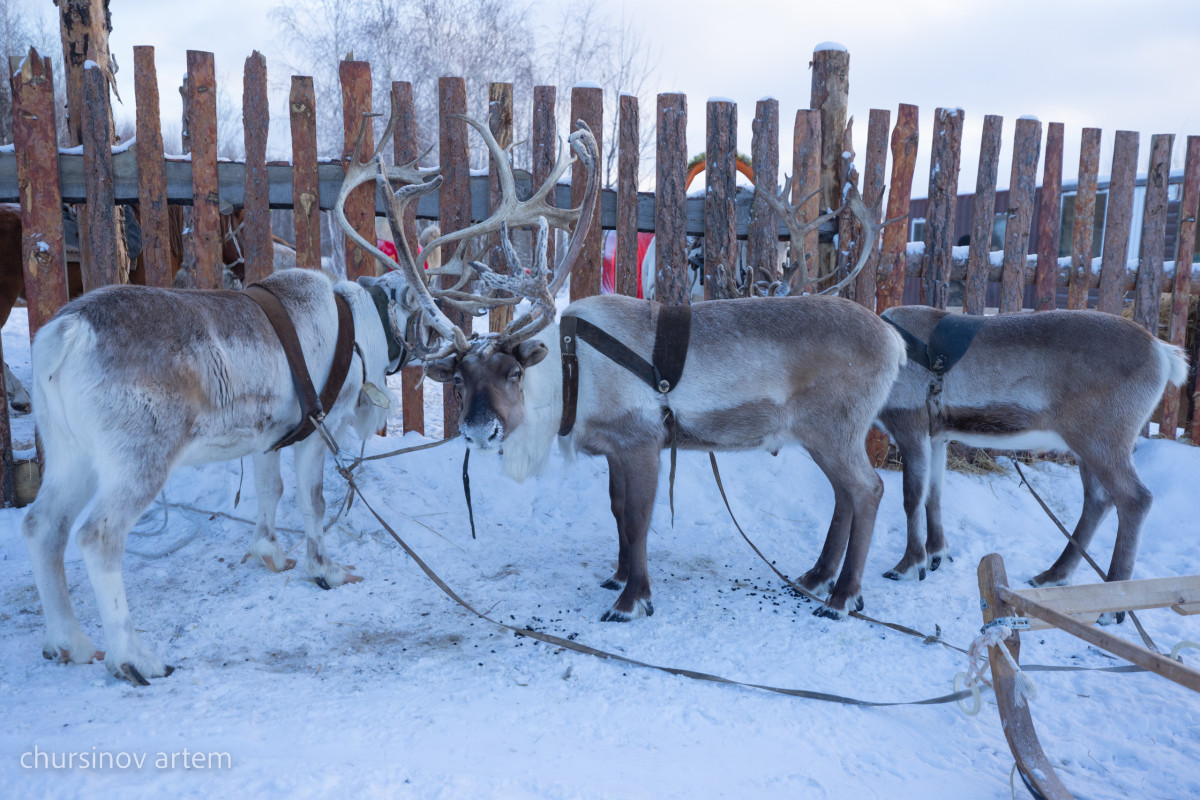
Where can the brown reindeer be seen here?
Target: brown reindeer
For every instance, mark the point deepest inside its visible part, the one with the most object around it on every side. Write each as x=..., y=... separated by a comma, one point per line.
x=759, y=373
x=1055, y=380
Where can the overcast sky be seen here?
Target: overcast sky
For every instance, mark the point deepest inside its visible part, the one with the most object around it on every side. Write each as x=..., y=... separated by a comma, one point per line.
x=1102, y=63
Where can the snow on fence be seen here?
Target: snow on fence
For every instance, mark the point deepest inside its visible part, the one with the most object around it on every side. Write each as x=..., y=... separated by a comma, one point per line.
x=40, y=177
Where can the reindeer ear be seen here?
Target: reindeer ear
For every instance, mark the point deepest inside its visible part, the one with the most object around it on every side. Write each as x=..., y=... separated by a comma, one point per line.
x=367, y=281
x=441, y=370
x=530, y=352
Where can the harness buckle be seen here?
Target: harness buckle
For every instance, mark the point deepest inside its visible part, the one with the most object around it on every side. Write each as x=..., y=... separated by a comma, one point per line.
x=664, y=385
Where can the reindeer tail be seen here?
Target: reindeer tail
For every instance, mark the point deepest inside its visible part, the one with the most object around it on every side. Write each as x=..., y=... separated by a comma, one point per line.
x=1174, y=362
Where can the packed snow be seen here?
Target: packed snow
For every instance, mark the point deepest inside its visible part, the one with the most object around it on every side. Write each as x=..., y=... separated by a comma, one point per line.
x=388, y=689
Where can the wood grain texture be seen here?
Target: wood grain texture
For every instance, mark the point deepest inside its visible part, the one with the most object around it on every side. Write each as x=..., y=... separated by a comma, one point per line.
x=983, y=215
x=806, y=179
x=500, y=123
x=1022, y=185
x=720, y=175
x=405, y=149
x=101, y=268
x=257, y=247
x=892, y=266
x=455, y=198
x=206, y=198
x=1116, y=222
x=1085, y=219
x=830, y=97
x=544, y=147
x=1185, y=251
x=306, y=189
x=1148, y=291
x=355, y=79
x=628, y=150
x=152, y=176
x=587, y=104
x=943, y=197
x=1049, y=219
x=878, y=124
x=670, y=209
x=762, y=238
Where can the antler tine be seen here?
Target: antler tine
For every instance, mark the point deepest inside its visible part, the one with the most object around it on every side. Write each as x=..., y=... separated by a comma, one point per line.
x=410, y=172
x=868, y=217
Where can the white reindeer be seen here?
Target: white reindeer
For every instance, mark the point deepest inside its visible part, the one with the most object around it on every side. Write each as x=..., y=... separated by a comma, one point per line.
x=1077, y=381
x=760, y=373
x=131, y=382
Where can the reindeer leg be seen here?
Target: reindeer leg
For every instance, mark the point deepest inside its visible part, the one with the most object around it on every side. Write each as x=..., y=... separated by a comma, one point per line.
x=819, y=579
x=47, y=526
x=935, y=542
x=916, y=450
x=264, y=547
x=102, y=539
x=1133, y=501
x=309, y=456
x=1096, y=504
x=616, y=494
x=641, y=461
x=859, y=479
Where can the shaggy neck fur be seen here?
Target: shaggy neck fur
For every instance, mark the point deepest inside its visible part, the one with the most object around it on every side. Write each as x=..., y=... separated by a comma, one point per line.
x=528, y=446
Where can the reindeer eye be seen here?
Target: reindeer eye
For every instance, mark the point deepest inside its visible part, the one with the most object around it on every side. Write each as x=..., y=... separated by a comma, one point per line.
x=515, y=374
x=457, y=379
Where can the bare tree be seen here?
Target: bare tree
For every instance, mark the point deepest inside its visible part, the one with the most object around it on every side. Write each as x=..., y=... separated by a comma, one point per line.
x=24, y=25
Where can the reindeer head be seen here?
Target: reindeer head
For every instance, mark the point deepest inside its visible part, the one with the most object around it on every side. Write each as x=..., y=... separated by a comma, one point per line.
x=488, y=369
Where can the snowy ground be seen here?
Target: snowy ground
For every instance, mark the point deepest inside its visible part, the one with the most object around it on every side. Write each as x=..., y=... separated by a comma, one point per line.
x=387, y=689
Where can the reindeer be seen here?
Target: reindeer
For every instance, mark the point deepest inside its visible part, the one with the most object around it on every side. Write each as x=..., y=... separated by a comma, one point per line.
x=760, y=373
x=1078, y=381
x=131, y=382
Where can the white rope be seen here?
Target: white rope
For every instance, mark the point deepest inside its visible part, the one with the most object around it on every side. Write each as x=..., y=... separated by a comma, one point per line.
x=1186, y=643
x=991, y=635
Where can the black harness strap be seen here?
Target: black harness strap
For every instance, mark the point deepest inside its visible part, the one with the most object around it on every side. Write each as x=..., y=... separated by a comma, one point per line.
x=948, y=342
x=310, y=405
x=397, y=351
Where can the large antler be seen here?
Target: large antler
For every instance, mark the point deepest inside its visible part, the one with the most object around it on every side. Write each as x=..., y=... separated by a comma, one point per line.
x=795, y=272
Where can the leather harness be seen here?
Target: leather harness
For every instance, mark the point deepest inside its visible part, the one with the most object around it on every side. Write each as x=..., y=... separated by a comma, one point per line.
x=311, y=407
x=947, y=343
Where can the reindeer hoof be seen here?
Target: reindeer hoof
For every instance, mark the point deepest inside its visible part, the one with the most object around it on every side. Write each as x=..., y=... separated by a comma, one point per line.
x=858, y=603
x=921, y=574
x=612, y=584
x=830, y=613
x=1111, y=618
x=641, y=608
x=324, y=584
x=934, y=563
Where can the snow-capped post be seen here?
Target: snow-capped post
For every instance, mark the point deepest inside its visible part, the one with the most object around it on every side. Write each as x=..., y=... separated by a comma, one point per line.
x=102, y=266
x=1147, y=292
x=206, y=197
x=405, y=149
x=258, y=249
x=84, y=26
x=763, y=233
x=454, y=199
x=587, y=104
x=152, y=173
x=830, y=90
x=306, y=212
x=1082, y=248
x=983, y=216
x=806, y=179
x=1181, y=291
x=36, y=149
x=872, y=178
x=943, y=197
x=545, y=148
x=1117, y=220
x=1021, y=188
x=1050, y=220
x=500, y=123
x=355, y=79
x=720, y=218
x=671, y=283
x=892, y=263
x=628, y=156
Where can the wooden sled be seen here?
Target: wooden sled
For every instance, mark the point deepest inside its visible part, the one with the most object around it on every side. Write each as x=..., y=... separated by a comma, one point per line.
x=1072, y=609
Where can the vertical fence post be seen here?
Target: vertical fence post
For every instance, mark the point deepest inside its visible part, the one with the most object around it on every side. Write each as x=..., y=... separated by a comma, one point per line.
x=587, y=104
x=893, y=268
x=761, y=240
x=806, y=179
x=943, y=197
x=720, y=218
x=36, y=149
x=544, y=150
x=878, y=124
x=1185, y=250
x=830, y=90
x=1147, y=296
x=1116, y=222
x=406, y=150
x=1027, y=143
x=455, y=200
x=306, y=212
x=983, y=217
x=202, y=132
x=500, y=123
x=672, y=283
x=355, y=78
x=152, y=174
x=1080, y=280
x=258, y=250
x=102, y=267
x=1050, y=220
x=627, y=280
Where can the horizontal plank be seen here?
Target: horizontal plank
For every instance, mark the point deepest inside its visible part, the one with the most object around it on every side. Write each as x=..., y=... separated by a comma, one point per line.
x=1094, y=599
x=232, y=179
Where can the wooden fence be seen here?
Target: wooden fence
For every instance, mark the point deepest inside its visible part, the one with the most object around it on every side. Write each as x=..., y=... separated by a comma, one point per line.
x=730, y=222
